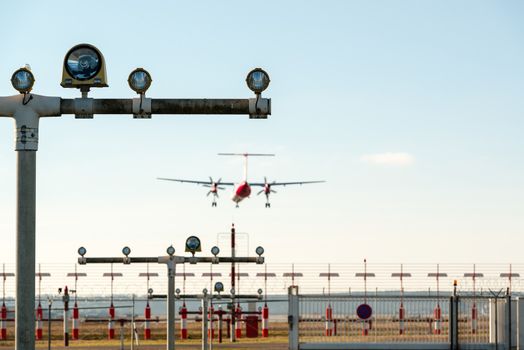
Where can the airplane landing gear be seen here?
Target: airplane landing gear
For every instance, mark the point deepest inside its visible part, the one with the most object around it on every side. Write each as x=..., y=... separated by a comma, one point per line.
x=213, y=204
x=268, y=205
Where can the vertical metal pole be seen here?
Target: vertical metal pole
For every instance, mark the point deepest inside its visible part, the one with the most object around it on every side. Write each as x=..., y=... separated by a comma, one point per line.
x=133, y=323
x=233, y=291
x=25, y=250
x=50, y=303
x=204, y=323
x=171, y=266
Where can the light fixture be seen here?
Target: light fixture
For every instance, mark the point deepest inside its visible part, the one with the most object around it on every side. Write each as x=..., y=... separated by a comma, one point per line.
x=219, y=287
x=170, y=250
x=259, y=291
x=215, y=250
x=193, y=244
x=232, y=291
x=259, y=250
x=126, y=250
x=204, y=291
x=257, y=80
x=82, y=251
x=150, y=291
x=139, y=80
x=177, y=291
x=23, y=80
x=84, y=67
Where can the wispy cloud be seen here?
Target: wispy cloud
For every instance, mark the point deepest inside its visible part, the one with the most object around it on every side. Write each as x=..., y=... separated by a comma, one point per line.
x=389, y=158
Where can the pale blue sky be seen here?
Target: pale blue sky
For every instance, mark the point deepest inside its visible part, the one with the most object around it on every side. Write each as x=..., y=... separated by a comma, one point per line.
x=440, y=82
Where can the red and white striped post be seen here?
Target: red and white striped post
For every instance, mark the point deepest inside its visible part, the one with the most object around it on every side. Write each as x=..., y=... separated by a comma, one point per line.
x=328, y=332
x=147, y=310
x=3, y=313
x=211, y=330
x=111, y=321
x=147, y=316
x=265, y=321
x=39, y=313
x=474, y=319
x=365, y=327
x=76, y=323
x=39, y=323
x=183, y=322
x=401, y=314
x=3, y=322
x=238, y=324
x=66, y=316
x=110, y=324
x=437, y=317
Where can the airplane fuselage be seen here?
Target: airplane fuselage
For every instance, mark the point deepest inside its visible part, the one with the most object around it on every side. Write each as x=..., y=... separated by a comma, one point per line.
x=243, y=190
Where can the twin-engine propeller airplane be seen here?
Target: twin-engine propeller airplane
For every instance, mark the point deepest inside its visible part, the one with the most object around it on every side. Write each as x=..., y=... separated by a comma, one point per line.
x=242, y=190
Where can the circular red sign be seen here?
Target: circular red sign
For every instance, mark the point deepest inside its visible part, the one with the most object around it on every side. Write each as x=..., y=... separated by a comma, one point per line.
x=364, y=311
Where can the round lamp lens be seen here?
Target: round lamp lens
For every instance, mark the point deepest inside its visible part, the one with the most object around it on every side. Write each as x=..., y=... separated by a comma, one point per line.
x=260, y=291
x=82, y=251
x=83, y=62
x=23, y=80
x=257, y=80
x=215, y=250
x=139, y=80
x=193, y=243
x=126, y=251
x=170, y=250
x=219, y=287
x=177, y=291
x=259, y=250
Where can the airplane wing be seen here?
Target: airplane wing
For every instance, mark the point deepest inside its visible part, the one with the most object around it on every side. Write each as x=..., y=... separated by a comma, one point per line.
x=262, y=184
x=203, y=183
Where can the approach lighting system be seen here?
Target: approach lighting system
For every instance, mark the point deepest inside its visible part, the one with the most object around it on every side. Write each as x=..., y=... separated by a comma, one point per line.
x=139, y=80
x=23, y=80
x=259, y=251
x=84, y=67
x=82, y=251
x=193, y=245
x=170, y=250
x=126, y=250
x=219, y=287
x=257, y=80
x=215, y=250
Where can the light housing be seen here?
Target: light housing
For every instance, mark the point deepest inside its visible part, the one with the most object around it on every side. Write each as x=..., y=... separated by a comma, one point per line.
x=150, y=291
x=259, y=250
x=177, y=291
x=204, y=291
x=193, y=245
x=260, y=291
x=139, y=80
x=82, y=251
x=23, y=80
x=170, y=250
x=84, y=66
x=215, y=250
x=126, y=250
x=257, y=80
x=219, y=287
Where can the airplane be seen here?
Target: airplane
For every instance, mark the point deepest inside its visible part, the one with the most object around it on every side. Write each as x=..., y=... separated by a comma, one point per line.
x=243, y=189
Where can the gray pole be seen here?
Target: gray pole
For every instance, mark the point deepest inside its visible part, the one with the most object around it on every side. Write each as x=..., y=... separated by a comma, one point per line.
x=171, y=266
x=204, y=322
x=25, y=250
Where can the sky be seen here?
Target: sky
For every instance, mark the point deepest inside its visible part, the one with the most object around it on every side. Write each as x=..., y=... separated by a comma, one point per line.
x=412, y=111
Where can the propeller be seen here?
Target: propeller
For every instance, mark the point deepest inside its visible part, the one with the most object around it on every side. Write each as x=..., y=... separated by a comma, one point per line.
x=267, y=186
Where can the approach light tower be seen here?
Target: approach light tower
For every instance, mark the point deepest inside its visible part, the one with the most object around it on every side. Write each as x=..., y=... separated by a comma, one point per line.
x=84, y=68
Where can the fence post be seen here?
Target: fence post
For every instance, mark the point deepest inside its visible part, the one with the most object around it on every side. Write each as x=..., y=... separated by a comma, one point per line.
x=453, y=321
x=520, y=323
x=508, y=325
x=293, y=315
